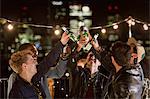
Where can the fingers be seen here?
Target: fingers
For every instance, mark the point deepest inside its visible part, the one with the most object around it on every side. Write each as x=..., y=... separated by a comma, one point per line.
x=64, y=38
x=90, y=37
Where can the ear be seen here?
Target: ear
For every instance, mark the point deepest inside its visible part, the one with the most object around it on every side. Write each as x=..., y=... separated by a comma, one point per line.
x=24, y=65
x=113, y=61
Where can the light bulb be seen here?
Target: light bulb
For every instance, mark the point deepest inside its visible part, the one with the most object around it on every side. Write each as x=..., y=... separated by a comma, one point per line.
x=133, y=23
x=67, y=74
x=103, y=30
x=115, y=26
x=130, y=21
x=145, y=27
x=57, y=32
x=10, y=26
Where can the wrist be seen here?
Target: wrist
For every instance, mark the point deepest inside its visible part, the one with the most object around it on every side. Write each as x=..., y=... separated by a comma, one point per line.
x=64, y=56
x=98, y=49
x=63, y=44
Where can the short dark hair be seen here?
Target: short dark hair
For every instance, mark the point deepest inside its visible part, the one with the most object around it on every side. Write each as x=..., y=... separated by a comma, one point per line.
x=82, y=55
x=121, y=53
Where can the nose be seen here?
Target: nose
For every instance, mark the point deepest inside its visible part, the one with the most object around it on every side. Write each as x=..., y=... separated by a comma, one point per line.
x=37, y=65
x=35, y=60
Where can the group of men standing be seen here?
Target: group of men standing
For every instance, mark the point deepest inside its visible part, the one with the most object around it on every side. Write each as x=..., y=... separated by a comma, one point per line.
x=95, y=73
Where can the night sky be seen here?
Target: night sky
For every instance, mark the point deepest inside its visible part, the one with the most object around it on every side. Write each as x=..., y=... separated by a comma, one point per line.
x=37, y=9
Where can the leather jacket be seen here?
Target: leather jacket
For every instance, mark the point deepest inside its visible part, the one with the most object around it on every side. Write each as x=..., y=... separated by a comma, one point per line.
x=101, y=80
x=82, y=81
x=126, y=84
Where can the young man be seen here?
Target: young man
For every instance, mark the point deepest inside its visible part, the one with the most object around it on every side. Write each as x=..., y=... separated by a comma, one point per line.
x=84, y=76
x=42, y=69
x=124, y=81
x=12, y=77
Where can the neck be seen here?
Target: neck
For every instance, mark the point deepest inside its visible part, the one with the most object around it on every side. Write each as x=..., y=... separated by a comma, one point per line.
x=117, y=66
x=89, y=67
x=25, y=76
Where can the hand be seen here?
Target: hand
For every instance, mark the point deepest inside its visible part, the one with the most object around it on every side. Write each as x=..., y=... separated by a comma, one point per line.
x=90, y=37
x=96, y=45
x=64, y=38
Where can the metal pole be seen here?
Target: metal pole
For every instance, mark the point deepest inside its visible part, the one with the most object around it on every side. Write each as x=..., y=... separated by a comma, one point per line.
x=5, y=80
x=130, y=33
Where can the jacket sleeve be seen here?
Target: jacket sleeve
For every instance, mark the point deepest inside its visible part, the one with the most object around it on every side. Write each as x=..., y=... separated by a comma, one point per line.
x=105, y=58
x=129, y=87
x=11, y=80
x=57, y=71
x=49, y=61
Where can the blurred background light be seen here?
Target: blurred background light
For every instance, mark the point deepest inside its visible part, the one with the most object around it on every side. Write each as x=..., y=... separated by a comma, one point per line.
x=115, y=26
x=103, y=31
x=57, y=32
x=10, y=27
x=145, y=27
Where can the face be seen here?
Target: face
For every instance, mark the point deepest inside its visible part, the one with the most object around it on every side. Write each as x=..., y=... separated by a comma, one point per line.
x=92, y=63
x=133, y=53
x=133, y=57
x=31, y=65
x=91, y=60
x=84, y=38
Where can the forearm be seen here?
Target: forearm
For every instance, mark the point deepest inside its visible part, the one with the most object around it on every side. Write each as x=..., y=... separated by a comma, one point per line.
x=49, y=61
x=53, y=55
x=97, y=53
x=58, y=71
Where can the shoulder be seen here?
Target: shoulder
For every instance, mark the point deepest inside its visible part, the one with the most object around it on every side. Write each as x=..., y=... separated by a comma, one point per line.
x=15, y=91
x=12, y=76
x=130, y=77
x=16, y=85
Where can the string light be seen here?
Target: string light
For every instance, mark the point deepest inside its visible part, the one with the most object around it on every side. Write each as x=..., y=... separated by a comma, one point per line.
x=145, y=27
x=10, y=27
x=57, y=32
x=103, y=31
x=133, y=23
x=115, y=27
x=67, y=74
x=129, y=20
